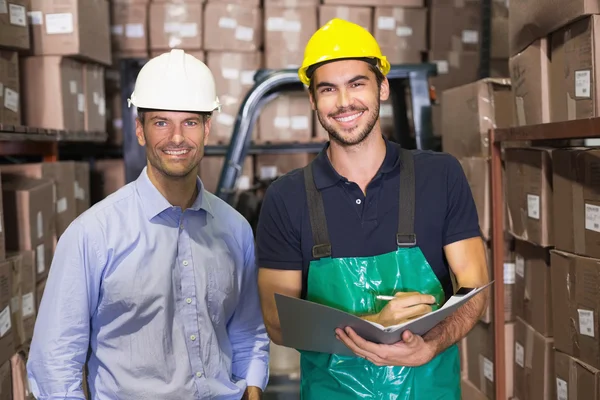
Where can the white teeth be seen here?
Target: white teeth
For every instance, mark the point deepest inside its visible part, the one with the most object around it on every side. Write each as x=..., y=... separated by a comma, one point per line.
x=349, y=118
x=176, y=153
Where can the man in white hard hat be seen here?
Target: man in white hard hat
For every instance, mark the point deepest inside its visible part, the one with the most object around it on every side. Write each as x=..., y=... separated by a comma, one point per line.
x=155, y=286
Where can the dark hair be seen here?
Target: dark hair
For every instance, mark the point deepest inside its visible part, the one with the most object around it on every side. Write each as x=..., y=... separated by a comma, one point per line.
x=141, y=114
x=379, y=77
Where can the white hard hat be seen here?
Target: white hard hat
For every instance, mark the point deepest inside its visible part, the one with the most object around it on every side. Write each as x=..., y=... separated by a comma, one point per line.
x=175, y=81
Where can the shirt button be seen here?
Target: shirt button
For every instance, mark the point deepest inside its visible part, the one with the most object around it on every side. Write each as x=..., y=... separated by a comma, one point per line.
x=199, y=374
x=188, y=300
x=193, y=337
x=185, y=263
x=181, y=226
x=358, y=201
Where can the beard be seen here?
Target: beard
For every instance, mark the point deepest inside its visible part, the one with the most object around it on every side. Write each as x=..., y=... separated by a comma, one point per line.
x=178, y=171
x=350, y=139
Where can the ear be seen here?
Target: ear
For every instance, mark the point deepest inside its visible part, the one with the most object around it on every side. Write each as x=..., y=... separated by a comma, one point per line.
x=207, y=125
x=384, y=93
x=311, y=98
x=139, y=132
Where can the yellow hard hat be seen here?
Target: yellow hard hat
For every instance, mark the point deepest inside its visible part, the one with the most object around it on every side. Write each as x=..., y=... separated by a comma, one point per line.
x=339, y=39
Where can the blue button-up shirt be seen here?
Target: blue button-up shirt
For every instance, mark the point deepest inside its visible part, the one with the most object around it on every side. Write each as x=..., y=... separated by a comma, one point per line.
x=166, y=302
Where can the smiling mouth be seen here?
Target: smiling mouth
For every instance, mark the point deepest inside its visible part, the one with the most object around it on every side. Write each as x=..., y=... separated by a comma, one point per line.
x=181, y=152
x=349, y=118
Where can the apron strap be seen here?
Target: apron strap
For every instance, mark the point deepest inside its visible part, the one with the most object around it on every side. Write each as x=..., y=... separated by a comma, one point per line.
x=316, y=212
x=406, y=236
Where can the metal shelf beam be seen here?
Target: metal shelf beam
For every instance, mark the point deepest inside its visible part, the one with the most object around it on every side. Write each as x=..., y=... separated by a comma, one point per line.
x=575, y=129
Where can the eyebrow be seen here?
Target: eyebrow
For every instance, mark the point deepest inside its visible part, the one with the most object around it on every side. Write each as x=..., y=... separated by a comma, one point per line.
x=161, y=118
x=356, y=78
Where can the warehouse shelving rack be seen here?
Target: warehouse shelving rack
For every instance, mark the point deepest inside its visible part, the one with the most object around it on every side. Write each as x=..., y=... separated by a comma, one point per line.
x=576, y=129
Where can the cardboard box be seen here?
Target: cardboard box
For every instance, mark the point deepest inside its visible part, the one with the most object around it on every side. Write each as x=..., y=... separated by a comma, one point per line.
x=291, y=3
x=129, y=27
x=14, y=25
x=176, y=25
x=229, y=27
x=454, y=69
x=248, y=3
x=2, y=227
x=212, y=166
x=7, y=338
x=270, y=166
x=107, y=176
x=24, y=308
x=6, y=389
x=10, y=106
x=455, y=25
x=529, y=74
x=470, y=391
x=575, y=379
x=234, y=77
x=470, y=111
x=39, y=292
x=73, y=28
x=396, y=55
x=54, y=93
x=534, y=364
x=62, y=173
x=577, y=200
x=95, y=98
x=499, y=46
x=533, y=287
x=509, y=282
x=362, y=16
x=29, y=215
x=82, y=187
x=16, y=301
x=575, y=282
x=529, y=194
x=376, y=3
x=114, y=118
x=287, y=30
x=401, y=28
x=573, y=74
x=287, y=118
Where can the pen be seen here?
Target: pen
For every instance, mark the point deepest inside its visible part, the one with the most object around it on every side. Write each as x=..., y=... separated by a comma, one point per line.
x=388, y=298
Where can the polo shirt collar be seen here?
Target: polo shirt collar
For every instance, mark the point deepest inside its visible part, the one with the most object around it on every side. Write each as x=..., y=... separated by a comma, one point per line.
x=325, y=175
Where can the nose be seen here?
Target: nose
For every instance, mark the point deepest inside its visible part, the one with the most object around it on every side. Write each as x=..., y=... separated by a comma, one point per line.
x=343, y=98
x=177, y=136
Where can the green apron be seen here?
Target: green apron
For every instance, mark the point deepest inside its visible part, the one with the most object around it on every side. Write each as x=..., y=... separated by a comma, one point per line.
x=351, y=284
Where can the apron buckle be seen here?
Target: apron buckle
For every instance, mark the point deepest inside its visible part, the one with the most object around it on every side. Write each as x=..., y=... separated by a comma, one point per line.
x=321, y=250
x=406, y=240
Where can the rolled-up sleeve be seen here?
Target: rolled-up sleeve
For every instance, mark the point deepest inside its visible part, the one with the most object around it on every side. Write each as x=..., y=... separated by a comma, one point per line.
x=62, y=330
x=247, y=332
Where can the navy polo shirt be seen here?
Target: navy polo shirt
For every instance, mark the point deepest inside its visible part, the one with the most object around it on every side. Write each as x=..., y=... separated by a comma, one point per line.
x=362, y=226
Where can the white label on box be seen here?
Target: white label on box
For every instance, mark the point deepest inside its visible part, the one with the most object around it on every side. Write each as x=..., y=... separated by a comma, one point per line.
x=243, y=182
x=3, y=8
x=248, y=77
x=40, y=225
x=80, y=102
x=469, y=36
x=135, y=31
x=299, y=123
x=592, y=217
x=276, y=24
x=18, y=15
x=227, y=23
x=11, y=100
x=5, y=321
x=586, y=322
x=386, y=110
x=533, y=206
x=225, y=119
x=59, y=24
x=281, y=122
x=404, y=31
x=488, y=369
x=188, y=30
x=61, y=205
x=561, y=389
x=102, y=107
x=14, y=304
x=40, y=258
x=73, y=87
x=519, y=355
x=244, y=33
x=442, y=66
x=28, y=308
x=117, y=30
x=268, y=172
x=520, y=266
x=230, y=73
x=96, y=97
x=509, y=273
x=583, y=84
x=386, y=23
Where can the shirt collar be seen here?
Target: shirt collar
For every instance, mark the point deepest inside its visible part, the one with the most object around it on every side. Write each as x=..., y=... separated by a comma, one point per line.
x=325, y=175
x=155, y=203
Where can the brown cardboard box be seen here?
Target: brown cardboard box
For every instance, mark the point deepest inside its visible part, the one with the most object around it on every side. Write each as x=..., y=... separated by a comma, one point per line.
x=534, y=364
x=129, y=27
x=477, y=171
x=470, y=391
x=454, y=69
x=230, y=27
x=529, y=74
x=575, y=379
x=436, y=119
x=509, y=282
x=199, y=54
x=14, y=26
x=234, y=77
x=577, y=200
x=376, y=3
x=455, y=25
x=575, y=282
x=573, y=74
x=107, y=176
x=362, y=16
x=95, y=98
x=248, y=3
x=73, y=28
x=62, y=173
x=82, y=187
x=529, y=194
x=29, y=214
x=26, y=311
x=287, y=30
x=114, y=118
x=499, y=46
x=16, y=301
x=533, y=294
x=287, y=118
x=396, y=55
x=212, y=166
x=480, y=358
x=2, y=228
x=176, y=24
x=269, y=166
x=7, y=336
x=54, y=93
x=401, y=28
x=470, y=111
x=531, y=20
x=39, y=292
x=290, y=3
x=10, y=107
x=499, y=68
x=6, y=389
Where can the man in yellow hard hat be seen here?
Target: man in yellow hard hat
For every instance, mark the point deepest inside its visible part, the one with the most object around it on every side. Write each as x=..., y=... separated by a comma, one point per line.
x=368, y=218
